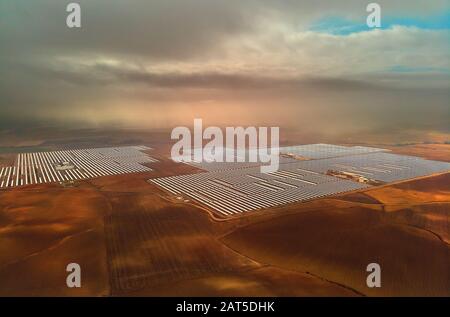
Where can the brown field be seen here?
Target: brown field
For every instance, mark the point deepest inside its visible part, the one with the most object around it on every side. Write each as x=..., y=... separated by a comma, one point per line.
x=264, y=281
x=337, y=238
x=424, y=203
x=425, y=190
x=337, y=243
x=133, y=239
x=158, y=249
x=6, y=159
x=157, y=246
x=44, y=228
x=438, y=152
x=360, y=197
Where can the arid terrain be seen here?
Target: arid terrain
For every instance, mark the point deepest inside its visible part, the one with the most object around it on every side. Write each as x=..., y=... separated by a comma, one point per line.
x=133, y=239
x=336, y=238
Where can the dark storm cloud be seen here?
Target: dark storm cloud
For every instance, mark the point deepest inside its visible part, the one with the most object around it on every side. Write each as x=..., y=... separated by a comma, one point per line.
x=155, y=29
x=162, y=29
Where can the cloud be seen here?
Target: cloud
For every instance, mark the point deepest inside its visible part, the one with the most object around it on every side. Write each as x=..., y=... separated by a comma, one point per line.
x=339, y=25
x=226, y=60
x=166, y=30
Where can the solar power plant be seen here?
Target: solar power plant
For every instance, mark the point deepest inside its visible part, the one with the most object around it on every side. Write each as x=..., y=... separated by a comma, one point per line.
x=234, y=191
x=68, y=165
x=318, y=151
x=385, y=167
x=308, y=151
x=232, y=188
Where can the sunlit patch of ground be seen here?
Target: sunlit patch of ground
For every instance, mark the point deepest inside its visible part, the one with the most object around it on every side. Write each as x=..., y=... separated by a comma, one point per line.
x=44, y=228
x=438, y=152
x=338, y=243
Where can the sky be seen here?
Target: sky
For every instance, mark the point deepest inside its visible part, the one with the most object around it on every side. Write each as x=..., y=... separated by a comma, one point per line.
x=313, y=66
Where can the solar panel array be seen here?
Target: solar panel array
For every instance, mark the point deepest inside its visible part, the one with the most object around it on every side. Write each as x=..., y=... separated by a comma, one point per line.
x=40, y=167
x=223, y=166
x=385, y=167
x=229, y=159
x=231, y=188
x=308, y=151
x=319, y=151
x=234, y=191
